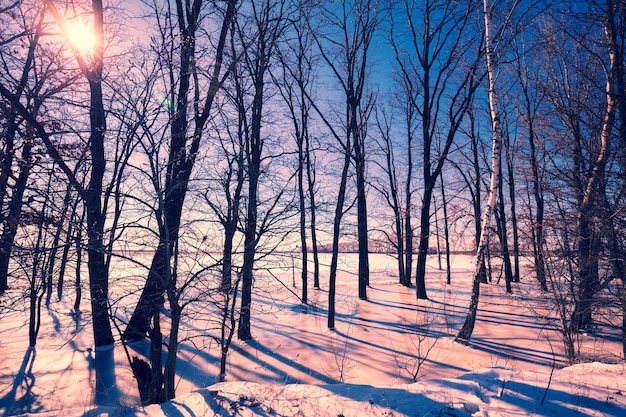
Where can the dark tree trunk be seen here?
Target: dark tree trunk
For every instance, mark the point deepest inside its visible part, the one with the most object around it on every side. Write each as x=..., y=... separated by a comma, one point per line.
x=98, y=273
x=422, y=252
x=313, y=209
x=55, y=245
x=79, y=261
x=227, y=327
x=391, y=193
x=181, y=160
x=437, y=234
x=14, y=211
x=514, y=225
x=258, y=59
x=231, y=222
x=408, y=238
x=6, y=164
x=446, y=232
x=151, y=298
x=156, y=385
x=503, y=235
x=227, y=256
x=6, y=171
x=169, y=375
x=538, y=239
x=332, y=279
x=303, y=239
x=408, y=208
x=67, y=246
x=364, y=270
x=588, y=281
x=247, y=271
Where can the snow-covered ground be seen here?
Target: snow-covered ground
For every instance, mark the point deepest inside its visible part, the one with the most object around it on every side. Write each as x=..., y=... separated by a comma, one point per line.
x=390, y=355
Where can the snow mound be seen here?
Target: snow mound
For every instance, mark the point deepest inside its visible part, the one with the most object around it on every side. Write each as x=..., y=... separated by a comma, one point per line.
x=592, y=389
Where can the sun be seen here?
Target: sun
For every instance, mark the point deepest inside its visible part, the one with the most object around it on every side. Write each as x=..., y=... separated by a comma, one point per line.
x=80, y=36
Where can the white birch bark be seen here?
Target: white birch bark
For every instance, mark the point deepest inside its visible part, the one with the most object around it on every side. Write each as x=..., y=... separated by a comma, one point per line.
x=496, y=151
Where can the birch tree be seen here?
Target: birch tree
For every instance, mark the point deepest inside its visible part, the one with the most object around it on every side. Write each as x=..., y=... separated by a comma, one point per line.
x=496, y=150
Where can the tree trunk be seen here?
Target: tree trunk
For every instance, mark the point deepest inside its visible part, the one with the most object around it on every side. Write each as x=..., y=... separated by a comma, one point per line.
x=408, y=208
x=422, y=252
x=258, y=60
x=249, y=251
x=332, y=279
x=302, y=206
x=446, y=232
x=538, y=239
x=231, y=222
x=14, y=211
x=313, y=208
x=55, y=245
x=67, y=246
x=228, y=324
x=588, y=242
x=227, y=257
x=181, y=160
x=169, y=375
x=79, y=261
x=364, y=270
x=438, y=237
x=468, y=326
x=98, y=272
x=588, y=280
x=514, y=225
x=503, y=235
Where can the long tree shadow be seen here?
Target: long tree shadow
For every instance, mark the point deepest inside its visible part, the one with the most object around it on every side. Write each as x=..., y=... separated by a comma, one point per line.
x=287, y=377
x=497, y=347
x=24, y=382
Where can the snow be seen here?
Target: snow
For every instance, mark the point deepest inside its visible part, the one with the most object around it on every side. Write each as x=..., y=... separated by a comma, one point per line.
x=389, y=356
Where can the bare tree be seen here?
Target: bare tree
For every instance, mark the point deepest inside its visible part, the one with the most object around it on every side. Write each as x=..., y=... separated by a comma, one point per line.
x=528, y=108
x=438, y=33
x=258, y=39
x=391, y=192
x=183, y=147
x=343, y=34
x=585, y=102
x=468, y=326
x=92, y=71
x=295, y=88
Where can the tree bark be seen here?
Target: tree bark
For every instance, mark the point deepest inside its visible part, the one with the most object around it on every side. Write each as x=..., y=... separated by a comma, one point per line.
x=364, y=269
x=503, y=234
x=334, y=261
x=269, y=20
x=587, y=275
x=14, y=211
x=181, y=160
x=7, y=157
x=514, y=224
x=446, y=232
x=468, y=326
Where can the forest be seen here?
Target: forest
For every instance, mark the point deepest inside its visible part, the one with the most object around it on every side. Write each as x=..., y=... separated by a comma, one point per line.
x=169, y=167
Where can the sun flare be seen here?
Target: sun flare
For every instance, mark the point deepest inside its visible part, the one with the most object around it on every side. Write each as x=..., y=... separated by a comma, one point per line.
x=80, y=36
